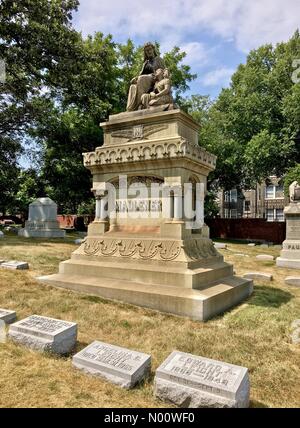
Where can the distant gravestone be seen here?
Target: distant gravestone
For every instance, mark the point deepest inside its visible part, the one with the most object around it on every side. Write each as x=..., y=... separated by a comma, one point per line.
x=118, y=365
x=251, y=244
x=78, y=241
x=264, y=257
x=2, y=331
x=259, y=276
x=220, y=245
x=45, y=334
x=7, y=316
x=290, y=253
x=293, y=280
x=295, y=336
x=1, y=234
x=42, y=220
x=14, y=264
x=192, y=381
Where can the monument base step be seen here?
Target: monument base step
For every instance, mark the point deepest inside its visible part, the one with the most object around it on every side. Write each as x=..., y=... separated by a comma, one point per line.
x=288, y=263
x=198, y=305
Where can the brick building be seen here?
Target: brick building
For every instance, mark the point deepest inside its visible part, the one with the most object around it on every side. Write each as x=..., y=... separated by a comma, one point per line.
x=266, y=201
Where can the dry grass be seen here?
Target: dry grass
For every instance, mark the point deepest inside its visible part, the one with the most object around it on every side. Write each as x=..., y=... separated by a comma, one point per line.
x=254, y=334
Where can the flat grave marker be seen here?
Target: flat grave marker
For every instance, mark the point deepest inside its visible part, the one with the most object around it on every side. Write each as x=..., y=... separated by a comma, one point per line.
x=118, y=365
x=192, y=381
x=45, y=334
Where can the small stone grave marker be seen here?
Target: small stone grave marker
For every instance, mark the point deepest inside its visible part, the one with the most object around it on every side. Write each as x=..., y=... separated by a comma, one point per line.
x=293, y=280
x=14, y=264
x=7, y=316
x=264, y=257
x=259, y=276
x=191, y=381
x=45, y=334
x=121, y=366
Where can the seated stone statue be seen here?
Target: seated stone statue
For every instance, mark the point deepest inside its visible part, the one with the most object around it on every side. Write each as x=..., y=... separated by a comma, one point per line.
x=162, y=94
x=144, y=83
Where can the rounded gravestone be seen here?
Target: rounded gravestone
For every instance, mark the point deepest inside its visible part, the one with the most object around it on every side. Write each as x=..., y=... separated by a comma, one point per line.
x=42, y=220
x=1, y=234
x=42, y=209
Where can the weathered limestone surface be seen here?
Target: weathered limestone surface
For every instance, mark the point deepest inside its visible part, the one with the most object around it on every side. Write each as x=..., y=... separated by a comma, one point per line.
x=295, y=336
x=220, y=245
x=14, y=264
x=191, y=381
x=121, y=366
x=290, y=253
x=293, y=280
x=42, y=220
x=7, y=316
x=264, y=257
x=45, y=334
x=152, y=260
x=258, y=276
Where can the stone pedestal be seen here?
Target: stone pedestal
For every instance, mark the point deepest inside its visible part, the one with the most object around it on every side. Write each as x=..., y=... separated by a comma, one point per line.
x=42, y=220
x=144, y=252
x=290, y=253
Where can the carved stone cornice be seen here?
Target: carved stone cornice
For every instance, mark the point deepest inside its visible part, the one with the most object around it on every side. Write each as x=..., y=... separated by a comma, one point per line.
x=175, y=148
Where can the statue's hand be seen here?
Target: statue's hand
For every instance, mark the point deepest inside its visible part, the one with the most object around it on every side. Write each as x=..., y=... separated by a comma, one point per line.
x=134, y=80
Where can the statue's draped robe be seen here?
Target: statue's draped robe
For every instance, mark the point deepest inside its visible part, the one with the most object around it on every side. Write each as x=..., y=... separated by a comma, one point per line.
x=144, y=83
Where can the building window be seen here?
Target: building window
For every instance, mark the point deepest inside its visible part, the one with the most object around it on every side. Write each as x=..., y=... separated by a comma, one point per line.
x=233, y=195
x=270, y=191
x=233, y=213
x=279, y=214
x=270, y=214
x=226, y=213
x=247, y=206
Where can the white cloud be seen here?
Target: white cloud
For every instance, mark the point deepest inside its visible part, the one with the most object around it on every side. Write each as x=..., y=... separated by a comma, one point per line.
x=247, y=23
x=218, y=77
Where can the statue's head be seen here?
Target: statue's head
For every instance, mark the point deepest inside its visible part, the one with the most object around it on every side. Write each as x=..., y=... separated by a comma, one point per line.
x=159, y=74
x=149, y=51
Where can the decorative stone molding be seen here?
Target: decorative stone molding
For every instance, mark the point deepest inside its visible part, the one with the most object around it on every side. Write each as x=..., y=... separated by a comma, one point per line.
x=166, y=250
x=135, y=152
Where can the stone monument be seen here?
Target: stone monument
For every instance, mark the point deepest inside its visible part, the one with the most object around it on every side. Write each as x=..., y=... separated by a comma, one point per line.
x=290, y=253
x=42, y=220
x=153, y=251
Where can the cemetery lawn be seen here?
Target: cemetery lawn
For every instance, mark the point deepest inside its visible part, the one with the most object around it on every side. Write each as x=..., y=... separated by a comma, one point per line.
x=255, y=334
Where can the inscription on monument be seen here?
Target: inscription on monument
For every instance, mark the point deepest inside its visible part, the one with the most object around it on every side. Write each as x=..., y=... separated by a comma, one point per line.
x=45, y=334
x=44, y=324
x=119, y=365
x=218, y=383
x=141, y=205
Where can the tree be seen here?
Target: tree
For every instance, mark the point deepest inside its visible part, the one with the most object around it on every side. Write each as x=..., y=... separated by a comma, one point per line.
x=9, y=170
x=293, y=174
x=258, y=112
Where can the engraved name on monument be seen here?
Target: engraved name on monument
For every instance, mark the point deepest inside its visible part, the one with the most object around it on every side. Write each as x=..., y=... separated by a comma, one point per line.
x=119, y=365
x=45, y=334
x=191, y=381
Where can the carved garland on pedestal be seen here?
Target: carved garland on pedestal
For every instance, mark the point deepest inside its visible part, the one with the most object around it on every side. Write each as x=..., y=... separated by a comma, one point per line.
x=148, y=249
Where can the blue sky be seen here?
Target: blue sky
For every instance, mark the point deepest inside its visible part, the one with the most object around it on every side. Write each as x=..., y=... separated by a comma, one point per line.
x=216, y=34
